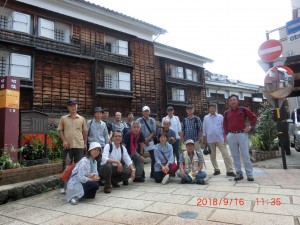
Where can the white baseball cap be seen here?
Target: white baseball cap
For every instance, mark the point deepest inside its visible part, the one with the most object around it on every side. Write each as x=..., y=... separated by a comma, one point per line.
x=94, y=145
x=146, y=108
x=189, y=141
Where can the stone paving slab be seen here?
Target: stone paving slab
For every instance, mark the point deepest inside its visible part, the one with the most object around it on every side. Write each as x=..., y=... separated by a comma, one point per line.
x=250, y=218
x=33, y=215
x=282, y=209
x=233, y=189
x=17, y=222
x=200, y=193
x=280, y=191
x=296, y=200
x=134, y=204
x=131, y=217
x=5, y=220
x=87, y=210
x=174, y=209
x=179, y=221
x=72, y=219
x=171, y=198
x=232, y=203
x=259, y=197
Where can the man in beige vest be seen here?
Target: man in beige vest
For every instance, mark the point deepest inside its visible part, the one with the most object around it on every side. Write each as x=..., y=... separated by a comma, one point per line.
x=190, y=165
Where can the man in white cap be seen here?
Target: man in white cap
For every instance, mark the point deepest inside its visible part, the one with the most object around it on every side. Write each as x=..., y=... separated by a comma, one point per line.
x=190, y=165
x=148, y=128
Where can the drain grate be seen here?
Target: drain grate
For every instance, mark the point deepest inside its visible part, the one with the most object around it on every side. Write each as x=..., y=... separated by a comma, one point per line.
x=188, y=215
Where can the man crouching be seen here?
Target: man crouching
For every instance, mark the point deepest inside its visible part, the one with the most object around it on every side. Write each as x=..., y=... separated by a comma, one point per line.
x=116, y=165
x=191, y=164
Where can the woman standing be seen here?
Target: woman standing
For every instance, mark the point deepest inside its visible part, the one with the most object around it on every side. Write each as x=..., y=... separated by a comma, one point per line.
x=84, y=178
x=163, y=154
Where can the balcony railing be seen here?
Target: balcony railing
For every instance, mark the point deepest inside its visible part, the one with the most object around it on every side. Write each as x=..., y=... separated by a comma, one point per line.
x=76, y=49
x=113, y=93
x=181, y=81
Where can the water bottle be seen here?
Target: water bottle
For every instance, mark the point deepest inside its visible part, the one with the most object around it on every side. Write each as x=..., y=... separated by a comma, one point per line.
x=68, y=160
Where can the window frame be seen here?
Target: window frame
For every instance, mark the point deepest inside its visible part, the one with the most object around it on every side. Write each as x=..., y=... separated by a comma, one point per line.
x=178, y=89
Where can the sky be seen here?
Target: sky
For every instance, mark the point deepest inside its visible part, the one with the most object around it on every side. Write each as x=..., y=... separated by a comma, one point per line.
x=227, y=31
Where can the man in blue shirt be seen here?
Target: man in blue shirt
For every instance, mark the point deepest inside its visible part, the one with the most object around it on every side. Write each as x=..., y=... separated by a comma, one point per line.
x=213, y=133
x=192, y=128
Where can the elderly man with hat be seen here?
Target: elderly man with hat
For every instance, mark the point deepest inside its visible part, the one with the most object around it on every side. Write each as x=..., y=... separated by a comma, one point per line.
x=73, y=132
x=191, y=164
x=148, y=128
x=176, y=126
x=97, y=129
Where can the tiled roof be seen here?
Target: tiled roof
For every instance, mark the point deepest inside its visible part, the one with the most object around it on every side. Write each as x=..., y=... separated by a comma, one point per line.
x=161, y=30
x=232, y=85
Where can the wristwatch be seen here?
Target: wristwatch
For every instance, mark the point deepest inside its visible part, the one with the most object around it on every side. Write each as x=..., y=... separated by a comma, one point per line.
x=250, y=127
x=196, y=171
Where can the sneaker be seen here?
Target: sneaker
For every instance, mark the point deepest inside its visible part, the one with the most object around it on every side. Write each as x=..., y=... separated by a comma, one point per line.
x=115, y=185
x=217, y=172
x=165, y=179
x=74, y=201
x=183, y=181
x=201, y=182
x=125, y=182
x=250, y=178
x=62, y=191
x=238, y=177
x=231, y=174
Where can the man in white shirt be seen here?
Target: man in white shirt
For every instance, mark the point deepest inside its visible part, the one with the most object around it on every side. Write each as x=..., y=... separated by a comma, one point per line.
x=176, y=126
x=116, y=164
x=213, y=133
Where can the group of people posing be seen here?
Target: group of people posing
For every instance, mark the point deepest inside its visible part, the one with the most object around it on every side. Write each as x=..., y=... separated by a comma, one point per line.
x=114, y=152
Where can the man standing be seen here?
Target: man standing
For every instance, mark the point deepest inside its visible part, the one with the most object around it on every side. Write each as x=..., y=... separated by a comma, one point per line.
x=73, y=132
x=130, y=119
x=97, y=130
x=213, y=133
x=190, y=165
x=114, y=159
x=105, y=116
x=236, y=134
x=176, y=126
x=192, y=128
x=118, y=124
x=148, y=128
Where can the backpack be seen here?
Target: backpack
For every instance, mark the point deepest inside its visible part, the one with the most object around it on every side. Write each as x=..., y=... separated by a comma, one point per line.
x=111, y=148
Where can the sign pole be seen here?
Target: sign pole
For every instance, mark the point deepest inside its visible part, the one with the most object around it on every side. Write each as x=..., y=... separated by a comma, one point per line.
x=280, y=132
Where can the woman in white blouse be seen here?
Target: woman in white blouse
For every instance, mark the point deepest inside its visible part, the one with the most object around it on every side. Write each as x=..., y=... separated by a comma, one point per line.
x=84, y=178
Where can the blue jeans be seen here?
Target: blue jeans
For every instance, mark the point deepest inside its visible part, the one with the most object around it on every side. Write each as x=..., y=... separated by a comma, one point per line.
x=200, y=176
x=239, y=144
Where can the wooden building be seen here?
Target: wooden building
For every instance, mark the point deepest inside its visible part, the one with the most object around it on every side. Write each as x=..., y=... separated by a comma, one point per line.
x=62, y=49
x=219, y=87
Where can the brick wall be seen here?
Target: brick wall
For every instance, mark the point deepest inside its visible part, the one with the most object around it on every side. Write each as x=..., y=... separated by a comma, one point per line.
x=12, y=176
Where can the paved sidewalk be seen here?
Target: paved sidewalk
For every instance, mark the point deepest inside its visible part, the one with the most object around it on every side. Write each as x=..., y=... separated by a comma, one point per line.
x=273, y=198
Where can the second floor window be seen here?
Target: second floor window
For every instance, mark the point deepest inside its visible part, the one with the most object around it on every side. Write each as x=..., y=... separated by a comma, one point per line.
x=116, y=46
x=177, y=72
x=178, y=95
x=54, y=30
x=191, y=75
x=117, y=80
x=13, y=20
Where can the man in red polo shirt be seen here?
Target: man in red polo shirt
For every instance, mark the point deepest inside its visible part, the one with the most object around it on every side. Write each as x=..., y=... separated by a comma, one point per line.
x=236, y=135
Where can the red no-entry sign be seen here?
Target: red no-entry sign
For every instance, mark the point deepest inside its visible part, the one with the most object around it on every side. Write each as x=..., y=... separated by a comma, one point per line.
x=270, y=50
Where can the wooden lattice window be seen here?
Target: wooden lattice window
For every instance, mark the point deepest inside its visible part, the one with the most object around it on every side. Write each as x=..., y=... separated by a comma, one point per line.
x=59, y=35
x=3, y=22
x=2, y=66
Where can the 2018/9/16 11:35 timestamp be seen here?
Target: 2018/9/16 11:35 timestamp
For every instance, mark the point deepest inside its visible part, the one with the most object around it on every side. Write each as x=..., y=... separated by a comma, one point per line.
x=237, y=201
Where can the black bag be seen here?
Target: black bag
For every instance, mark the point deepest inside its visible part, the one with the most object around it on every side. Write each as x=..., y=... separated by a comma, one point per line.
x=206, y=150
